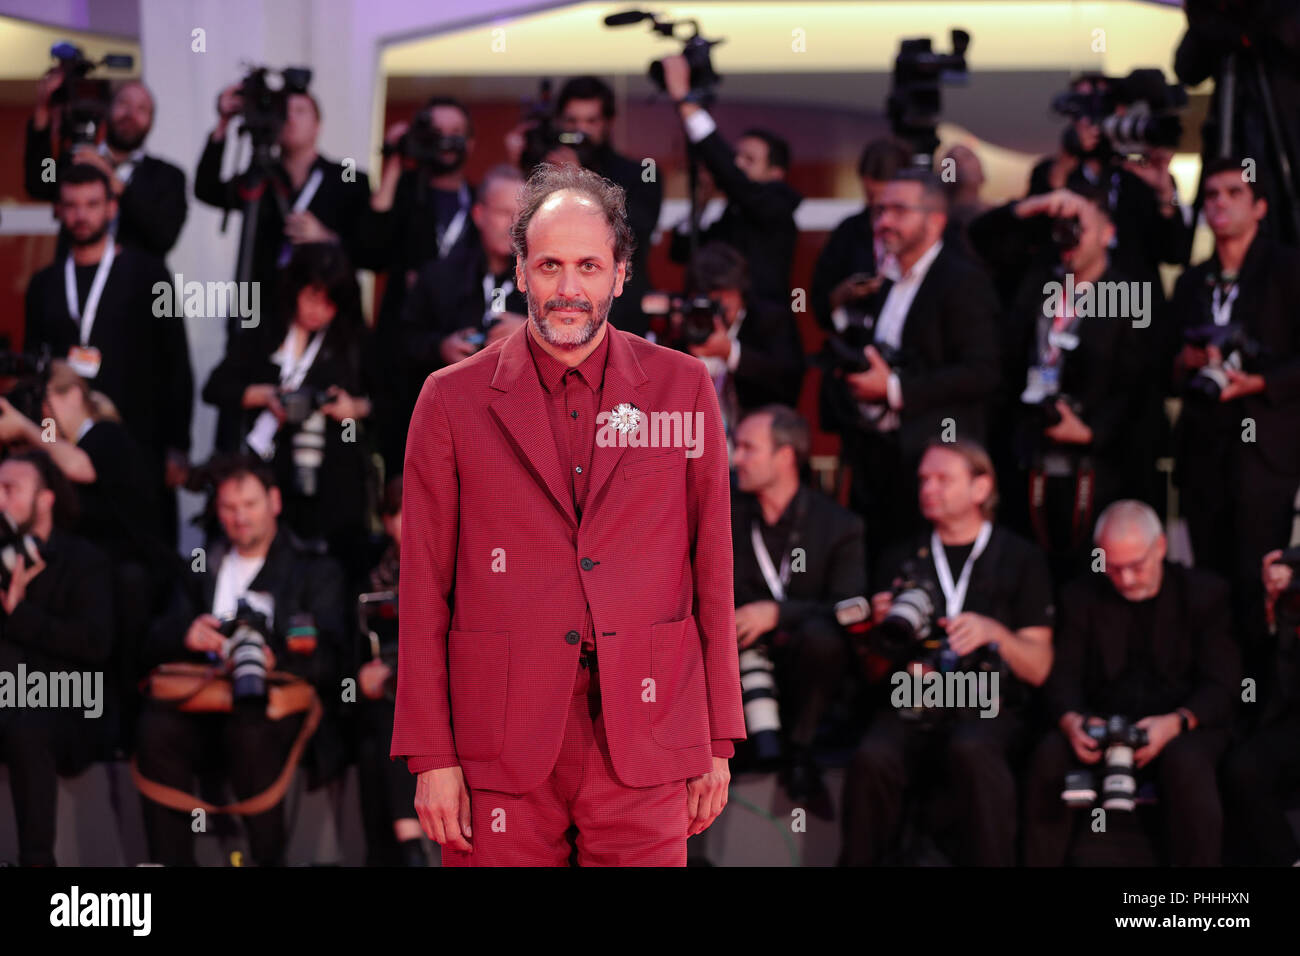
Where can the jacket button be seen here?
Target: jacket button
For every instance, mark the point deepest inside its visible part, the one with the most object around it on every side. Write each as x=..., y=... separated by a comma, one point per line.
x=587, y=564
x=573, y=637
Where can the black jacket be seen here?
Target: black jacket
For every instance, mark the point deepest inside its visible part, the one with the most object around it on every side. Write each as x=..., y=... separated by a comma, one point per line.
x=643, y=202
x=758, y=221
x=1192, y=650
x=300, y=579
x=832, y=541
x=145, y=367
x=850, y=249
x=151, y=210
x=771, y=363
x=1266, y=306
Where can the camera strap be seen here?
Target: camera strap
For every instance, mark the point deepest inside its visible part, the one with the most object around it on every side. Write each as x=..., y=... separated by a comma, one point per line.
x=955, y=595
x=447, y=237
x=86, y=321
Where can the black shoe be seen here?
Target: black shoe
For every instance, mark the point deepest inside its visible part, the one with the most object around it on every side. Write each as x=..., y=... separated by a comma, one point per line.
x=804, y=786
x=412, y=852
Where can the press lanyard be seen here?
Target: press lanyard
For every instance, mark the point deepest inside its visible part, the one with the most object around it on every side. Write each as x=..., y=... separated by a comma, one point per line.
x=1221, y=306
x=448, y=237
x=87, y=321
x=956, y=596
x=490, y=287
x=308, y=190
x=776, y=583
x=292, y=373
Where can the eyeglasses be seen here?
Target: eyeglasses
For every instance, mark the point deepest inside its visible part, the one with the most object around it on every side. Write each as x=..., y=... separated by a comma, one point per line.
x=1138, y=565
x=897, y=208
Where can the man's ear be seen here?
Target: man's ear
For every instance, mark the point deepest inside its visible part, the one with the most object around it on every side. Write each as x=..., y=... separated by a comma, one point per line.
x=275, y=501
x=619, y=274
x=981, y=488
x=521, y=280
x=1162, y=547
x=45, y=500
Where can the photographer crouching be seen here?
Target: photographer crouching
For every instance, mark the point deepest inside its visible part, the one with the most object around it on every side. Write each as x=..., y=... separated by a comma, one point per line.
x=1145, y=676
x=263, y=602
x=301, y=380
x=969, y=618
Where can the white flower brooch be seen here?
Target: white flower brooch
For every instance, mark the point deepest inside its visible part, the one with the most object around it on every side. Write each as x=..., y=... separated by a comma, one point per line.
x=625, y=418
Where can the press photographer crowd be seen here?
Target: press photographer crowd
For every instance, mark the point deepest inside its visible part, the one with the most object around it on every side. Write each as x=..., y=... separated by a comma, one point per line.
x=976, y=613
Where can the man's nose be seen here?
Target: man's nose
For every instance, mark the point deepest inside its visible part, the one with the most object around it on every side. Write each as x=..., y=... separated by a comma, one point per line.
x=568, y=285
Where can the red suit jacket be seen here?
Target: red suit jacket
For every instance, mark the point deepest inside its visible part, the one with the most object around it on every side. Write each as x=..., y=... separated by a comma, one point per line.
x=494, y=583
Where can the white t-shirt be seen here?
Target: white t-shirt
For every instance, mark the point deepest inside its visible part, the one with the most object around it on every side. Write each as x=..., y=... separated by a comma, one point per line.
x=233, y=579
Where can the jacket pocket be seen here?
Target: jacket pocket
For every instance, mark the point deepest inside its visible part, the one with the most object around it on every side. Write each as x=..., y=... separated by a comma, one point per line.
x=478, y=665
x=679, y=715
x=650, y=466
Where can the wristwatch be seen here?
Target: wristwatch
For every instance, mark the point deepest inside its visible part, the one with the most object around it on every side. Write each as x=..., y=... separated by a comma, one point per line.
x=1182, y=716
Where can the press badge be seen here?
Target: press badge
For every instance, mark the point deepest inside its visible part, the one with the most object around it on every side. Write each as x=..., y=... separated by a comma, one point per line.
x=84, y=360
x=1042, y=382
x=1065, y=341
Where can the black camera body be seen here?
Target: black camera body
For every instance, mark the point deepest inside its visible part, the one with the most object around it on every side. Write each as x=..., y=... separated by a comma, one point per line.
x=265, y=94
x=1118, y=738
x=299, y=404
x=1238, y=349
x=424, y=145
x=32, y=374
x=698, y=313
x=247, y=631
x=1066, y=232
x=1151, y=107
x=697, y=50
x=915, y=100
x=84, y=100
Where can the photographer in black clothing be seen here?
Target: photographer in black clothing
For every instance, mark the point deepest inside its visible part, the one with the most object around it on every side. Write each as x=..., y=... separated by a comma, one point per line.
x=797, y=554
x=759, y=218
x=325, y=200
x=55, y=617
x=1149, y=641
x=150, y=192
x=1239, y=370
x=262, y=566
x=985, y=619
x=300, y=385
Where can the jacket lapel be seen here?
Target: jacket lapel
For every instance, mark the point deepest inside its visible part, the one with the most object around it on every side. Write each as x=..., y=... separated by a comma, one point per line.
x=623, y=380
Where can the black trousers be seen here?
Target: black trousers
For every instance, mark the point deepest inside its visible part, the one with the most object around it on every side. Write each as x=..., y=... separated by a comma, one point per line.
x=809, y=666
x=387, y=787
x=1185, y=778
x=172, y=746
x=27, y=747
x=1258, y=774
x=979, y=788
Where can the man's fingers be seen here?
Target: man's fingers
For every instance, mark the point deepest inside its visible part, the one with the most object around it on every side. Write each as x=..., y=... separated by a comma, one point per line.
x=466, y=822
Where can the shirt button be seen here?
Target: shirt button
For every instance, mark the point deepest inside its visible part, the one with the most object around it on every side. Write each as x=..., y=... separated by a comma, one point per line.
x=578, y=469
x=587, y=564
x=573, y=414
x=573, y=637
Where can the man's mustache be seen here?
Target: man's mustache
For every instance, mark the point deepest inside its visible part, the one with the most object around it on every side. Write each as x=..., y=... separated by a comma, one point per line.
x=554, y=304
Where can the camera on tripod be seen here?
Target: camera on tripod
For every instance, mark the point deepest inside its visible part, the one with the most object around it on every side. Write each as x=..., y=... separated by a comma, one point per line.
x=1240, y=352
x=1119, y=739
x=264, y=99
x=696, y=49
x=915, y=100
x=84, y=99
x=1132, y=113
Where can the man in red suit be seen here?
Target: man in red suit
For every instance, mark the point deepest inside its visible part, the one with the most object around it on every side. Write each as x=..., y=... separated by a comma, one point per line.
x=567, y=627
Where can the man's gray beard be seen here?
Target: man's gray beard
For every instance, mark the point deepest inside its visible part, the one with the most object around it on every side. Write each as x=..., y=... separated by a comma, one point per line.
x=596, y=318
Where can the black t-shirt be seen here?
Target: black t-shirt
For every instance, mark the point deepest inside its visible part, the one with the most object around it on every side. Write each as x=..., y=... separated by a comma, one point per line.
x=1140, y=689
x=118, y=511
x=85, y=278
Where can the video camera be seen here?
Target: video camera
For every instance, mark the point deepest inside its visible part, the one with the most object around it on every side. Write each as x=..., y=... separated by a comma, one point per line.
x=543, y=133
x=425, y=145
x=915, y=100
x=697, y=51
x=1149, y=116
x=264, y=94
x=84, y=100
x=1238, y=349
x=698, y=313
x=1119, y=739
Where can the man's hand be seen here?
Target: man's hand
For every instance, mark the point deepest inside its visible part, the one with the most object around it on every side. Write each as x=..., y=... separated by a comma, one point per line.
x=1241, y=383
x=1059, y=204
x=718, y=343
x=677, y=76
x=755, y=619
x=969, y=631
x=302, y=227
x=1154, y=171
x=456, y=347
x=22, y=576
x=371, y=677
x=881, y=602
x=873, y=384
x=45, y=88
x=706, y=796
x=264, y=396
x=205, y=635
x=1160, y=730
x=343, y=406
x=1277, y=577
x=176, y=468
x=442, y=805
x=1085, y=748
x=506, y=323
x=853, y=288
x=89, y=156
x=1193, y=357
x=1071, y=429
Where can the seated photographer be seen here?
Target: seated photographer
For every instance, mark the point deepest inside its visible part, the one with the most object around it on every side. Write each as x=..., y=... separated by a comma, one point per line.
x=387, y=787
x=150, y=192
x=758, y=220
x=1148, y=652
x=849, y=260
x=973, y=601
x=300, y=384
x=1239, y=368
x=1068, y=382
x=1264, y=769
x=306, y=198
x=785, y=619
x=94, y=306
x=751, y=347
x=291, y=600
x=460, y=303
x=56, y=609
x=918, y=362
